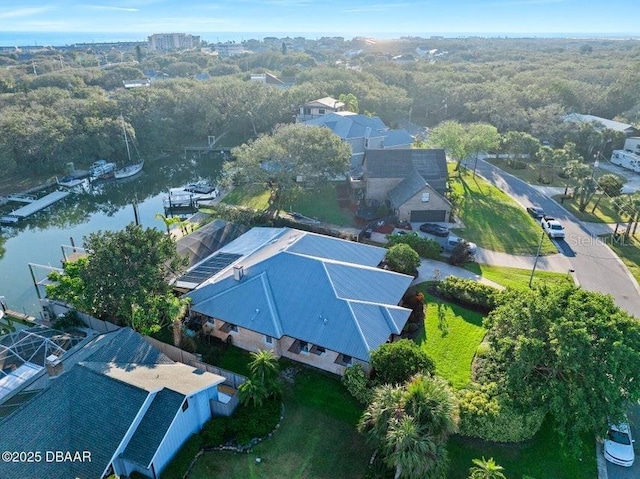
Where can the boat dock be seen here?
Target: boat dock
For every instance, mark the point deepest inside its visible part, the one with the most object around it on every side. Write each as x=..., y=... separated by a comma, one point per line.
x=34, y=207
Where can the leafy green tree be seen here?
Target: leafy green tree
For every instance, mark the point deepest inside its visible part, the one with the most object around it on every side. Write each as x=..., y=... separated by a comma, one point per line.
x=264, y=365
x=264, y=382
x=450, y=135
x=519, y=146
x=357, y=383
x=569, y=351
x=293, y=152
x=402, y=258
x=253, y=392
x=486, y=469
x=409, y=425
x=124, y=271
x=394, y=363
x=350, y=102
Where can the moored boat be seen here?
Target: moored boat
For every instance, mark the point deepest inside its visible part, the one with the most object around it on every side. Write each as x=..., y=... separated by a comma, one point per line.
x=102, y=169
x=130, y=168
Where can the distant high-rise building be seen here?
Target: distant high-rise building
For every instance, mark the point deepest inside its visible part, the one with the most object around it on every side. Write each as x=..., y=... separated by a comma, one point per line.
x=173, y=41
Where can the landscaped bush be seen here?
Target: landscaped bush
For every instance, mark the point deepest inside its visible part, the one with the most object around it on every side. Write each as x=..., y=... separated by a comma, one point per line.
x=216, y=431
x=426, y=248
x=486, y=414
x=394, y=363
x=179, y=465
x=357, y=383
x=468, y=293
x=249, y=421
x=68, y=320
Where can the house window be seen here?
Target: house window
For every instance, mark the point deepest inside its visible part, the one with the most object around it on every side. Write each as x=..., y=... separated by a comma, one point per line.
x=321, y=111
x=228, y=328
x=306, y=111
x=268, y=339
x=319, y=350
x=344, y=360
x=304, y=347
x=425, y=197
x=185, y=405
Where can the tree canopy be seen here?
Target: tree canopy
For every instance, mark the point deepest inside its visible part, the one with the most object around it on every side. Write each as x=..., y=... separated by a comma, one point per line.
x=402, y=258
x=124, y=278
x=396, y=362
x=293, y=154
x=569, y=351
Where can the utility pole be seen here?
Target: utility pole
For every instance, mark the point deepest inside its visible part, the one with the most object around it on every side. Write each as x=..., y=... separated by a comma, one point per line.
x=535, y=263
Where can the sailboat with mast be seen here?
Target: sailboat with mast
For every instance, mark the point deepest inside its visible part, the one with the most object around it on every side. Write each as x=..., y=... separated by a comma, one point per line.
x=131, y=168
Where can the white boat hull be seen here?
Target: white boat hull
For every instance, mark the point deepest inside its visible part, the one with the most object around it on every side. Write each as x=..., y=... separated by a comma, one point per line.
x=129, y=170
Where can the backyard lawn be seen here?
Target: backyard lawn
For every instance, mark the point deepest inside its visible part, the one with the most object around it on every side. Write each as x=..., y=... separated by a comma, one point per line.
x=493, y=220
x=320, y=203
x=317, y=438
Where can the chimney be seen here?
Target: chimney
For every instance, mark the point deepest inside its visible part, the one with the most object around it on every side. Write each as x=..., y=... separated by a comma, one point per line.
x=238, y=273
x=54, y=366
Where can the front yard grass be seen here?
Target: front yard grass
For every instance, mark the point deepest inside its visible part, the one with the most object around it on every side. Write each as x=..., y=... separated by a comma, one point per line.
x=316, y=440
x=604, y=213
x=452, y=341
x=517, y=278
x=493, y=220
x=629, y=253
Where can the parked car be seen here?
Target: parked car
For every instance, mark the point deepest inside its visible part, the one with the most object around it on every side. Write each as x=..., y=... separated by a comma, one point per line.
x=618, y=445
x=434, y=229
x=453, y=241
x=552, y=227
x=536, y=212
x=404, y=225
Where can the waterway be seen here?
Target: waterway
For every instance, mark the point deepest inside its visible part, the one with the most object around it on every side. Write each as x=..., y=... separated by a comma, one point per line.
x=109, y=206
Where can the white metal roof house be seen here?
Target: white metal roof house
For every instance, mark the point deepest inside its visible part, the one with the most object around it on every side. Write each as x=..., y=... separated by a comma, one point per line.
x=316, y=108
x=627, y=129
x=311, y=298
x=114, y=402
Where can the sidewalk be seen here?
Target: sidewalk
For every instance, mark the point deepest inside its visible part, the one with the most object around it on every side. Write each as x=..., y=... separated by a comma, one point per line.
x=556, y=262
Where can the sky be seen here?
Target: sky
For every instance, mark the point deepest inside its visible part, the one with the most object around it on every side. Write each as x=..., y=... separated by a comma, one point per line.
x=344, y=18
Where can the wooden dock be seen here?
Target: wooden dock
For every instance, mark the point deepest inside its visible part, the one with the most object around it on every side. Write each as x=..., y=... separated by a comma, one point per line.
x=34, y=207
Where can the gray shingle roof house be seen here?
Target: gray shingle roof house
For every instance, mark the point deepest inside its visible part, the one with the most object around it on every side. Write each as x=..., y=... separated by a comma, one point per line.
x=308, y=297
x=412, y=180
x=118, y=406
x=362, y=133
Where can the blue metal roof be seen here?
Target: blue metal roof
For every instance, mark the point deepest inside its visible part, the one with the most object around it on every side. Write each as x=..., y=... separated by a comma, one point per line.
x=326, y=301
x=326, y=247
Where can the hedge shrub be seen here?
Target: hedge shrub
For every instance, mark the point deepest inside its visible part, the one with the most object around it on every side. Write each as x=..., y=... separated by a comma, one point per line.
x=486, y=414
x=426, y=248
x=395, y=363
x=179, y=465
x=469, y=293
x=216, y=431
x=250, y=421
x=357, y=383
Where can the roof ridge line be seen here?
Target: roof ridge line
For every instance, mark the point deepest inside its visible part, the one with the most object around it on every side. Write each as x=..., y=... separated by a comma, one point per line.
x=264, y=279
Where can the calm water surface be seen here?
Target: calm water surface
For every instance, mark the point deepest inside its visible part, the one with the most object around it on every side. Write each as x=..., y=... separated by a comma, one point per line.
x=39, y=238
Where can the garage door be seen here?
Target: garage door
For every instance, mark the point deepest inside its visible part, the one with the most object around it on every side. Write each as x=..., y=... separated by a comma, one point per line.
x=428, y=215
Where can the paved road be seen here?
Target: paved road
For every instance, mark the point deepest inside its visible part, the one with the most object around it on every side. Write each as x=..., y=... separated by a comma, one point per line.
x=596, y=267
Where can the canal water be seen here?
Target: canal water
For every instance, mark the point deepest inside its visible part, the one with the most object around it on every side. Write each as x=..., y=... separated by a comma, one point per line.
x=107, y=206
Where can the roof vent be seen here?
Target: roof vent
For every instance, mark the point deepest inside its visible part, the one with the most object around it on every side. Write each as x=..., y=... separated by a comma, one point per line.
x=238, y=273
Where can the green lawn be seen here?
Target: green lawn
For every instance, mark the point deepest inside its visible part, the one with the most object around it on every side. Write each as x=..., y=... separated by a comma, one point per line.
x=604, y=213
x=319, y=203
x=540, y=458
x=516, y=277
x=454, y=350
x=493, y=220
x=317, y=438
x=250, y=196
x=531, y=173
x=629, y=253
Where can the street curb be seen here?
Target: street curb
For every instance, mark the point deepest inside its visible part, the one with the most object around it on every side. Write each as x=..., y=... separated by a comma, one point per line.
x=601, y=464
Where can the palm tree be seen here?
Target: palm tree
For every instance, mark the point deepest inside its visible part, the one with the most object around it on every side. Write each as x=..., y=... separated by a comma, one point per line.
x=168, y=222
x=409, y=425
x=264, y=370
x=252, y=392
x=486, y=469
